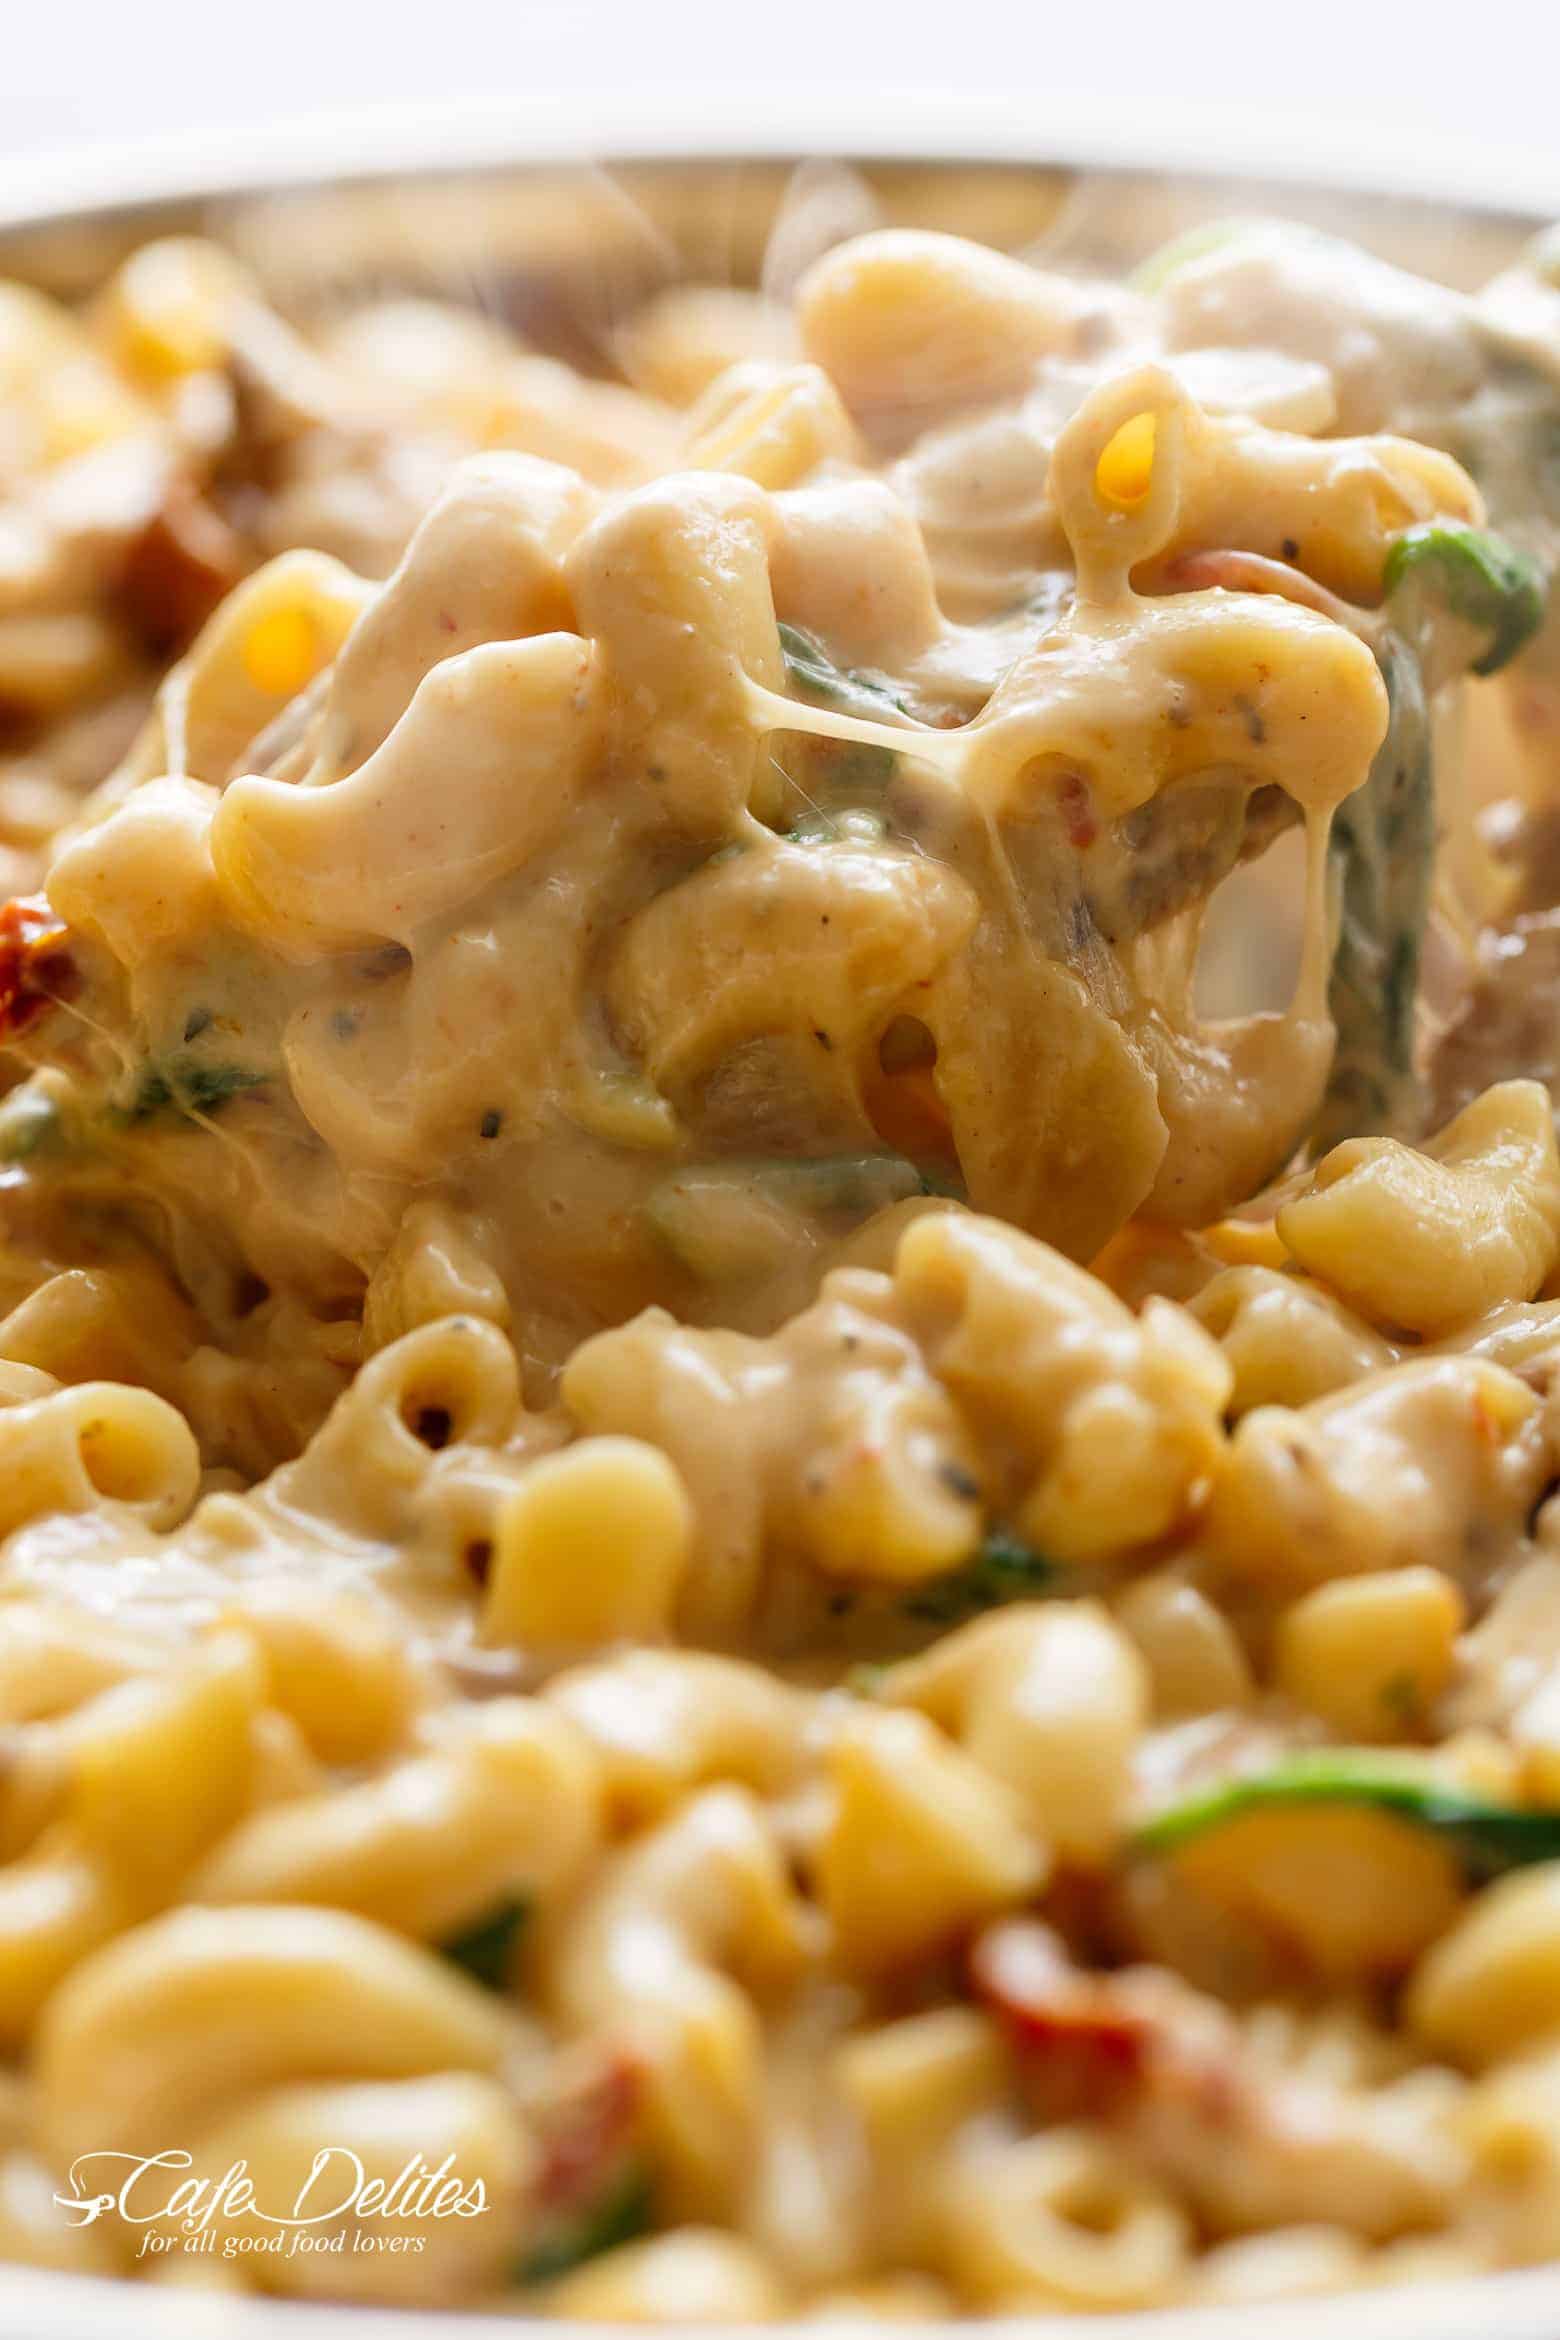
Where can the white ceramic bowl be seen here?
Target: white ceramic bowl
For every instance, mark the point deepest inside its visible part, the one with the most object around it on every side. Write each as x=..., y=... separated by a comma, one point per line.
x=473, y=185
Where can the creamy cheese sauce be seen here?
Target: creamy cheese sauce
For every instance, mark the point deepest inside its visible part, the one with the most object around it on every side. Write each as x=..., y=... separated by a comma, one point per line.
x=708, y=1511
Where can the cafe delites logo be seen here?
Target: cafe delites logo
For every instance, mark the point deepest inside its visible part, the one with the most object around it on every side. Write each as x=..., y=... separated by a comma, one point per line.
x=339, y=2207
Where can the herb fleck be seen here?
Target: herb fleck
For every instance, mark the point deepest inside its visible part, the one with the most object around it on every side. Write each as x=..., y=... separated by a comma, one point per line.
x=811, y=670
x=622, y=2213
x=1004, y=1569
x=486, y=1950
x=1402, y=1699
x=184, y=1084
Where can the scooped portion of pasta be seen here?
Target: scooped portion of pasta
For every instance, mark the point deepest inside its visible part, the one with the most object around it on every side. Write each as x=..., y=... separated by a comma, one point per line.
x=777, y=1388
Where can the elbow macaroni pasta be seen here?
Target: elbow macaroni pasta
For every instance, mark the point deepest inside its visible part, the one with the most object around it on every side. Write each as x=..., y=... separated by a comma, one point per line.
x=736, y=1582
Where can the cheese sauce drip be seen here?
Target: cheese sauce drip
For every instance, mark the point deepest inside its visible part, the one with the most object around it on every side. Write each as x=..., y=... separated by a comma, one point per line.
x=634, y=847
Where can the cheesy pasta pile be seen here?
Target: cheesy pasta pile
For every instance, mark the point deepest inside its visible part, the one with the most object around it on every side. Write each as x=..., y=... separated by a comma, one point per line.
x=778, y=1410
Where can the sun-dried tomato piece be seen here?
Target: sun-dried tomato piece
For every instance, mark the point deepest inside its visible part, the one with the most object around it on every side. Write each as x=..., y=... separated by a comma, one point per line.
x=36, y=969
x=177, y=569
x=1082, y=2048
x=1113, y=2046
x=587, y=2128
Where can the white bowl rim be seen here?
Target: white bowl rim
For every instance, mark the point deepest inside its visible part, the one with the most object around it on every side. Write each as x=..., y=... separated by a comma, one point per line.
x=710, y=124
x=43, y=2306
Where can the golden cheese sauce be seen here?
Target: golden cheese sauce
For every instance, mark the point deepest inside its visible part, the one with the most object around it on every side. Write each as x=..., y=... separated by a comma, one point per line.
x=729, y=1557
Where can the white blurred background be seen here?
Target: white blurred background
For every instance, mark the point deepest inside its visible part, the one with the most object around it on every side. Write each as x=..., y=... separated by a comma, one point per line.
x=1382, y=91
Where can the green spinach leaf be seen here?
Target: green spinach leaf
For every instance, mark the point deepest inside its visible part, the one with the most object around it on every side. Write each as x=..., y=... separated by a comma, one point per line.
x=1486, y=1838
x=1481, y=579
x=810, y=670
x=1383, y=848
